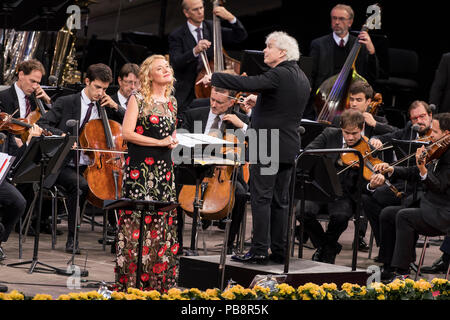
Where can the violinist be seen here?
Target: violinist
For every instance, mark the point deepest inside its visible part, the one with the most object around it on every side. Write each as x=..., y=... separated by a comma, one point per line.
x=128, y=80
x=13, y=203
x=82, y=106
x=19, y=95
x=219, y=115
x=342, y=210
x=400, y=225
x=329, y=52
x=187, y=41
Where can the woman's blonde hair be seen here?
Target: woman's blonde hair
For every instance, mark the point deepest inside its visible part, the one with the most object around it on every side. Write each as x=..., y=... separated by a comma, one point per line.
x=145, y=78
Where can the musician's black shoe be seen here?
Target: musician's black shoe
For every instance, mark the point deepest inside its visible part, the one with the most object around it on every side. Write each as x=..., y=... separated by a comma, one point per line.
x=362, y=245
x=205, y=224
x=438, y=266
x=251, y=258
x=70, y=245
x=2, y=254
x=109, y=241
x=2, y=230
x=47, y=229
x=330, y=252
x=277, y=258
x=317, y=255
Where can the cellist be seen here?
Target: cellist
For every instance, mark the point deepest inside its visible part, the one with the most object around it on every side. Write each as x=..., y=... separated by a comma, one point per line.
x=399, y=225
x=83, y=107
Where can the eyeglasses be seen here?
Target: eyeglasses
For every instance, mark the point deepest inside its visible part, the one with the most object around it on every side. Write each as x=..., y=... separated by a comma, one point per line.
x=130, y=82
x=422, y=116
x=341, y=19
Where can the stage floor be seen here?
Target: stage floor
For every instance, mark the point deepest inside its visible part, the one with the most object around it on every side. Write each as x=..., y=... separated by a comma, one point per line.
x=100, y=264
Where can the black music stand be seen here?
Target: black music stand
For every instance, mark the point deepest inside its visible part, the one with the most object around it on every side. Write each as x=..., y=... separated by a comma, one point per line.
x=314, y=178
x=312, y=130
x=403, y=148
x=41, y=163
x=144, y=206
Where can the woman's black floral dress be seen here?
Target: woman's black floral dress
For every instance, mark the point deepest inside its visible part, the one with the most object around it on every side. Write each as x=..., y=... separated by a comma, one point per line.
x=149, y=176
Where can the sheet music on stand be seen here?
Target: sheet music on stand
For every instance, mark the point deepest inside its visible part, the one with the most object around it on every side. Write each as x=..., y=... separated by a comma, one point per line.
x=193, y=139
x=5, y=163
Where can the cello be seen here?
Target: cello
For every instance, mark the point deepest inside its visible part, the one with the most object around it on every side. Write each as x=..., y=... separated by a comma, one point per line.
x=221, y=61
x=332, y=96
x=104, y=174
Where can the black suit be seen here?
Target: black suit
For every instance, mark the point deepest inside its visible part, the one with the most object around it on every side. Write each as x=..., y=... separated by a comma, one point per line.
x=341, y=210
x=185, y=64
x=120, y=113
x=440, y=89
x=9, y=102
x=429, y=216
x=13, y=203
x=283, y=94
x=201, y=114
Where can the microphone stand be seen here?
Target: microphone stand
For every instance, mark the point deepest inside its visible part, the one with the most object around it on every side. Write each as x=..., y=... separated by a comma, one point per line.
x=413, y=129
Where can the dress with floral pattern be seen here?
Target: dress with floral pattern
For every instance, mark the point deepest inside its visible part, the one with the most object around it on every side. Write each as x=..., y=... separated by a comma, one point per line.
x=149, y=175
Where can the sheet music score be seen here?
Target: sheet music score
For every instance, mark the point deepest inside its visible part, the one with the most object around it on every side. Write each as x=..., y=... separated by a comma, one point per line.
x=5, y=163
x=192, y=139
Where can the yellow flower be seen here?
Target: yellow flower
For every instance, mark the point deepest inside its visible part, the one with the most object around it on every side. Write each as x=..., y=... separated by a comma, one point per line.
x=64, y=297
x=117, y=295
x=153, y=295
x=329, y=286
x=381, y=297
x=212, y=293
x=228, y=295
x=42, y=297
x=329, y=296
x=174, y=292
x=16, y=295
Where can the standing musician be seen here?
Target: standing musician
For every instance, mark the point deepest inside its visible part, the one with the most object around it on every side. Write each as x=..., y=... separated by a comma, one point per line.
x=128, y=80
x=342, y=210
x=18, y=96
x=399, y=225
x=420, y=115
x=329, y=52
x=283, y=92
x=13, y=203
x=219, y=115
x=187, y=41
x=82, y=106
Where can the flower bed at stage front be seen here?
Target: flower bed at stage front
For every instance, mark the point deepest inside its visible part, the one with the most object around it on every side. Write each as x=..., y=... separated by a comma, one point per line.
x=437, y=289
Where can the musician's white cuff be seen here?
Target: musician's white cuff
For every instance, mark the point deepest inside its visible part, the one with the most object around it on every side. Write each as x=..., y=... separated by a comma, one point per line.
x=233, y=21
x=369, y=189
x=423, y=177
x=193, y=52
x=244, y=128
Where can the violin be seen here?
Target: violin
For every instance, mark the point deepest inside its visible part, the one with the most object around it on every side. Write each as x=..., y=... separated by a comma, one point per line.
x=352, y=160
x=104, y=174
x=17, y=126
x=436, y=149
x=377, y=101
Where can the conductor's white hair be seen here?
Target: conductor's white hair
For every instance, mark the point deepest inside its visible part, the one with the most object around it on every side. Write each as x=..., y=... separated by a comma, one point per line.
x=283, y=41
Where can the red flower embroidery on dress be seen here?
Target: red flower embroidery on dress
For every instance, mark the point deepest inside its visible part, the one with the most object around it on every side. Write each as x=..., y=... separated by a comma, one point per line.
x=154, y=234
x=148, y=219
x=162, y=250
x=139, y=130
x=168, y=175
x=128, y=161
x=175, y=248
x=145, y=277
x=149, y=161
x=170, y=221
x=154, y=119
x=134, y=174
x=132, y=267
x=145, y=250
x=135, y=234
x=170, y=106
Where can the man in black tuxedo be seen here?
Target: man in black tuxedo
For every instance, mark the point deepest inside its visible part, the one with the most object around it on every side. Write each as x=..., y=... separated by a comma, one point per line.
x=440, y=89
x=283, y=92
x=329, y=52
x=20, y=95
x=186, y=43
x=13, y=203
x=128, y=80
x=222, y=116
x=420, y=115
x=83, y=106
x=342, y=210
x=430, y=215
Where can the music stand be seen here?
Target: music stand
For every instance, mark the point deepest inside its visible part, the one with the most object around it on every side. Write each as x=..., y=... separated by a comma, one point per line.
x=43, y=158
x=318, y=181
x=143, y=206
x=403, y=148
x=312, y=130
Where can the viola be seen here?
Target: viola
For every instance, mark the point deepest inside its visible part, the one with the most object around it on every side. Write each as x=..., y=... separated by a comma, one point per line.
x=104, y=174
x=435, y=149
x=377, y=101
x=352, y=160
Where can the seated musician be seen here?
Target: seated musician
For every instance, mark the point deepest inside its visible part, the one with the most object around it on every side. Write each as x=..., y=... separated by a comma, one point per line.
x=360, y=95
x=84, y=106
x=341, y=210
x=12, y=201
x=218, y=116
x=18, y=101
x=128, y=82
x=400, y=225
x=420, y=116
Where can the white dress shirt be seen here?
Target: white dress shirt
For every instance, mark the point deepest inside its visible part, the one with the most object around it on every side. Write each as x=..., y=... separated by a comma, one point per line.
x=22, y=103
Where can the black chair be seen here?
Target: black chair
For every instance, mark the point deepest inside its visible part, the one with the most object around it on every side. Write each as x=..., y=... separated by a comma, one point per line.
x=403, y=70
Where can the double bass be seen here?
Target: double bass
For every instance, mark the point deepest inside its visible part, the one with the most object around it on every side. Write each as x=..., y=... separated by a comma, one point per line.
x=221, y=61
x=332, y=96
x=104, y=174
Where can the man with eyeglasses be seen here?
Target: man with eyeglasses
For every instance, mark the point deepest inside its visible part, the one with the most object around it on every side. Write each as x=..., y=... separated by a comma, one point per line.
x=128, y=80
x=329, y=53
